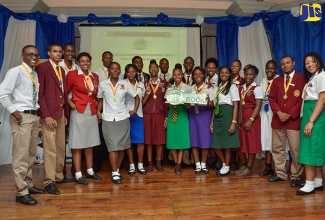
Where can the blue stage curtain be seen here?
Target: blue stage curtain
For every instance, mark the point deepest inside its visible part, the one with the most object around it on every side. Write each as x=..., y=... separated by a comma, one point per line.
x=227, y=43
x=53, y=32
x=4, y=18
x=293, y=37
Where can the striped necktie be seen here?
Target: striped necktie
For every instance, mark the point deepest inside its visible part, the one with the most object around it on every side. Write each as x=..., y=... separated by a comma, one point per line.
x=174, y=114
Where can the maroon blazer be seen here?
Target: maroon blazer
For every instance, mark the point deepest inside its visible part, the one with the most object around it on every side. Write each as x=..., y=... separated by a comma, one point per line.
x=291, y=105
x=52, y=100
x=158, y=105
x=80, y=97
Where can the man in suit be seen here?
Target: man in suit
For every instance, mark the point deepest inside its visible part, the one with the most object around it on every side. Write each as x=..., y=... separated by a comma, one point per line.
x=141, y=76
x=53, y=112
x=18, y=95
x=285, y=101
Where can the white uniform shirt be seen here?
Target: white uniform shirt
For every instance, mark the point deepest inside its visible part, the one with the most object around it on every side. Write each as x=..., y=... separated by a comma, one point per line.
x=258, y=92
x=315, y=86
x=65, y=67
x=101, y=74
x=232, y=96
x=264, y=86
x=114, y=107
x=130, y=100
x=16, y=90
x=167, y=76
x=213, y=80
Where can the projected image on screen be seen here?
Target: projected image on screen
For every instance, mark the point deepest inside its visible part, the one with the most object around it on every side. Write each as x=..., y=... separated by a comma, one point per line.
x=173, y=43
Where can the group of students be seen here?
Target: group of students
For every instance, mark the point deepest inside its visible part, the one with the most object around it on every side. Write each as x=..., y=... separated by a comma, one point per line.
x=239, y=116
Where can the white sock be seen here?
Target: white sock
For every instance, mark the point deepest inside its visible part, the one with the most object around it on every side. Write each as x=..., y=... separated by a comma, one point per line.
x=309, y=186
x=203, y=165
x=222, y=168
x=132, y=167
x=90, y=171
x=118, y=170
x=318, y=182
x=225, y=169
x=198, y=166
x=78, y=174
x=115, y=174
x=140, y=166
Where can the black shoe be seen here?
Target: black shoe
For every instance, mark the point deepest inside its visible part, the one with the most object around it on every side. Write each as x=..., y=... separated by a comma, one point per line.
x=275, y=178
x=267, y=171
x=205, y=170
x=66, y=180
x=82, y=180
x=197, y=171
x=217, y=167
x=184, y=165
x=295, y=183
x=26, y=200
x=319, y=188
x=94, y=176
x=34, y=190
x=223, y=174
x=51, y=189
x=131, y=172
x=142, y=171
x=117, y=179
x=303, y=193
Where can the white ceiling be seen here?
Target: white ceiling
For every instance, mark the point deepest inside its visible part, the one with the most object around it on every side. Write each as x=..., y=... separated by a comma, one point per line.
x=149, y=8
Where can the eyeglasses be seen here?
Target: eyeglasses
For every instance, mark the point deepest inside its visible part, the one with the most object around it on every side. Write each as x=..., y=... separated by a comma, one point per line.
x=32, y=55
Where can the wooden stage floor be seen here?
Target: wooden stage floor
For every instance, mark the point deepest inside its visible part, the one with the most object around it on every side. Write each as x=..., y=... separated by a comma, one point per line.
x=164, y=196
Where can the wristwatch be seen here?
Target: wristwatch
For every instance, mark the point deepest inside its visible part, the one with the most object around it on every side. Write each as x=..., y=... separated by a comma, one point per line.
x=252, y=119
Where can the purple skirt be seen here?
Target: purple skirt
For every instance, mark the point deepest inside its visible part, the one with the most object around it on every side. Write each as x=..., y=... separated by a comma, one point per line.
x=200, y=135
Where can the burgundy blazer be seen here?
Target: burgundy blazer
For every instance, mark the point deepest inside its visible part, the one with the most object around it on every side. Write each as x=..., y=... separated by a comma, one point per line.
x=52, y=100
x=80, y=97
x=291, y=105
x=158, y=105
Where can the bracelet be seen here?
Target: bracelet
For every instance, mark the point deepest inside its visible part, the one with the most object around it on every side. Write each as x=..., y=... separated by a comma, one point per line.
x=234, y=121
x=20, y=120
x=311, y=120
x=252, y=119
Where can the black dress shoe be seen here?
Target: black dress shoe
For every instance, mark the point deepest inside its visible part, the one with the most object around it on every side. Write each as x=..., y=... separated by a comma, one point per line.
x=26, y=200
x=51, y=189
x=319, y=188
x=66, y=180
x=275, y=178
x=94, y=176
x=205, y=170
x=116, y=179
x=142, y=171
x=223, y=174
x=303, y=193
x=131, y=172
x=267, y=171
x=295, y=183
x=82, y=180
x=34, y=190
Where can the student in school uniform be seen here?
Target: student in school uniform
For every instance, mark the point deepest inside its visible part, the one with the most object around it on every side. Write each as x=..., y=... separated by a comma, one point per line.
x=251, y=96
x=68, y=63
x=224, y=120
x=164, y=66
x=83, y=131
x=266, y=116
x=103, y=72
x=115, y=117
x=141, y=76
x=155, y=112
x=312, y=135
x=178, y=135
x=136, y=121
x=199, y=118
x=188, y=66
x=211, y=67
x=235, y=73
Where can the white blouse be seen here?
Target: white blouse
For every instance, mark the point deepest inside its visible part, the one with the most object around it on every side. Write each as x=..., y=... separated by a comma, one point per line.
x=139, y=88
x=232, y=96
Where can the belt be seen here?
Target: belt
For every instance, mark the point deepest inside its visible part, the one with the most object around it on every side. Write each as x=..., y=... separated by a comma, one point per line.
x=33, y=112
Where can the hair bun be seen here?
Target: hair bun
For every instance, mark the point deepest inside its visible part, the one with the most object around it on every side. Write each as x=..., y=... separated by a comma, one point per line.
x=153, y=61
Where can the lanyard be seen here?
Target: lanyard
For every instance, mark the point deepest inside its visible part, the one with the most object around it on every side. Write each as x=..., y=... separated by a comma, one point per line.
x=135, y=87
x=30, y=74
x=114, y=90
x=244, y=95
x=89, y=82
x=156, y=87
x=221, y=89
x=58, y=73
x=268, y=86
x=179, y=87
x=197, y=91
x=67, y=68
x=105, y=72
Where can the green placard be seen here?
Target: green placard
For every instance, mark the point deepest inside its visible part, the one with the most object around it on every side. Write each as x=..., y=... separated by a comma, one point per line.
x=177, y=97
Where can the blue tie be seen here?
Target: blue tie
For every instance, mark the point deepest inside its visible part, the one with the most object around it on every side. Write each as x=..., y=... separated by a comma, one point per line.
x=266, y=102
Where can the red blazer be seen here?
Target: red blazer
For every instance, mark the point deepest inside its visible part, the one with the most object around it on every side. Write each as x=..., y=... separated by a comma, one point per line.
x=158, y=105
x=80, y=97
x=52, y=100
x=291, y=105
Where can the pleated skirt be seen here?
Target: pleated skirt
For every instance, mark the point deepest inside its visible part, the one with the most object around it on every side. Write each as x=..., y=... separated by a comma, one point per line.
x=137, y=129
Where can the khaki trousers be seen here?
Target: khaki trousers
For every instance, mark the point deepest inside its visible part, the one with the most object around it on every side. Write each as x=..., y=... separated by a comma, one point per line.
x=54, y=151
x=279, y=152
x=24, y=146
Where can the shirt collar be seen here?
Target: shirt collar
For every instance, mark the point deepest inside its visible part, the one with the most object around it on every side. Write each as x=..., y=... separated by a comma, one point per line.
x=28, y=67
x=253, y=84
x=81, y=73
